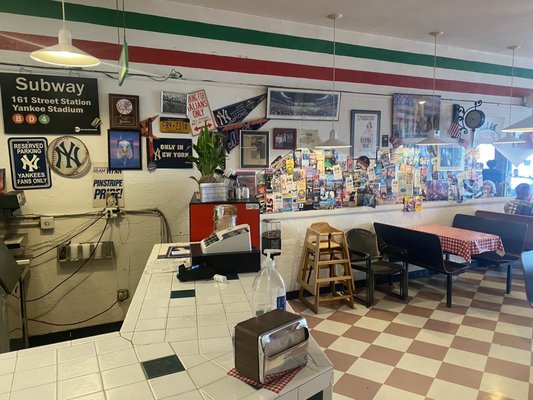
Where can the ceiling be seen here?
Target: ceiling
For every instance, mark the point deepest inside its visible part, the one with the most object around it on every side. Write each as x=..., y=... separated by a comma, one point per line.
x=488, y=25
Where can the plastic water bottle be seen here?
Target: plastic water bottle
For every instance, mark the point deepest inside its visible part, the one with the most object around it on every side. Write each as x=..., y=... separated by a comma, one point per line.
x=268, y=288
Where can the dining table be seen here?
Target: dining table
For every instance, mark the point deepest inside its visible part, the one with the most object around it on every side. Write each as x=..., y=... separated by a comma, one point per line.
x=463, y=242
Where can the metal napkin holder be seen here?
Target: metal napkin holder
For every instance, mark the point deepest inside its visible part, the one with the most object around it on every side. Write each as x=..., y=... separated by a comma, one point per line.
x=270, y=344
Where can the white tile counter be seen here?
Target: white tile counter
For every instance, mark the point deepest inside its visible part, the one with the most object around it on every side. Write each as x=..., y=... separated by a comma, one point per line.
x=175, y=343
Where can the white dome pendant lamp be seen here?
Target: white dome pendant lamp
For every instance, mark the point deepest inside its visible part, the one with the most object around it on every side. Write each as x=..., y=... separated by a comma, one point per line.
x=64, y=53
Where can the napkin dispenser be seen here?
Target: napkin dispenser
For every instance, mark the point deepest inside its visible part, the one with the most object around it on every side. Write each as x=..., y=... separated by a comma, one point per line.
x=270, y=344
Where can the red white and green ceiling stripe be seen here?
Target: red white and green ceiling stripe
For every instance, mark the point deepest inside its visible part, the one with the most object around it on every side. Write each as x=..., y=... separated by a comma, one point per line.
x=358, y=64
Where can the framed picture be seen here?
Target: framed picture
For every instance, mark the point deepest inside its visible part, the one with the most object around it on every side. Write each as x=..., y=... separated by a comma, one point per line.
x=254, y=149
x=124, y=149
x=302, y=104
x=414, y=116
x=450, y=158
x=174, y=103
x=123, y=111
x=364, y=133
x=307, y=139
x=284, y=139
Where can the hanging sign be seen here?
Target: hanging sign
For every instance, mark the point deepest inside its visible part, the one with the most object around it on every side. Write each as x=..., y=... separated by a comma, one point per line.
x=238, y=111
x=199, y=112
x=44, y=104
x=172, y=153
x=28, y=163
x=108, y=186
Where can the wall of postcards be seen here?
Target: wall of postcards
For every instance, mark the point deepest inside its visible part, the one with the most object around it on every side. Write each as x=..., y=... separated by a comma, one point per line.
x=327, y=179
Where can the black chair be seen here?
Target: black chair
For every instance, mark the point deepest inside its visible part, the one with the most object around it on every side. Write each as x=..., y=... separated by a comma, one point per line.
x=423, y=250
x=527, y=266
x=365, y=257
x=512, y=234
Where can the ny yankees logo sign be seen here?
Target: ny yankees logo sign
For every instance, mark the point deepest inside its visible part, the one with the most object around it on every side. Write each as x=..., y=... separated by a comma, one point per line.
x=68, y=156
x=28, y=163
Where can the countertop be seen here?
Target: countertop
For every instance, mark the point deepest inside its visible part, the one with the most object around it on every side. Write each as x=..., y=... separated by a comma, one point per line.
x=175, y=343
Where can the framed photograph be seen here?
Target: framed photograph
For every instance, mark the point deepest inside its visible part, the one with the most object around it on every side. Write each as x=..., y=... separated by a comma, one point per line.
x=364, y=133
x=123, y=111
x=254, y=149
x=307, y=139
x=284, y=139
x=414, y=116
x=124, y=149
x=450, y=158
x=174, y=103
x=302, y=104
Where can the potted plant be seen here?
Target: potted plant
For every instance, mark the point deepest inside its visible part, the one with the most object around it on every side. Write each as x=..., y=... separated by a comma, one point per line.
x=209, y=150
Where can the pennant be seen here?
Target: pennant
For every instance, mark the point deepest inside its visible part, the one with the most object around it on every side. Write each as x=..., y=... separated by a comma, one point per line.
x=146, y=131
x=231, y=132
x=454, y=130
x=236, y=112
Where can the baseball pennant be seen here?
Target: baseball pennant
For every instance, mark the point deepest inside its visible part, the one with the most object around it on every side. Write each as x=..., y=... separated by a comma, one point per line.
x=238, y=111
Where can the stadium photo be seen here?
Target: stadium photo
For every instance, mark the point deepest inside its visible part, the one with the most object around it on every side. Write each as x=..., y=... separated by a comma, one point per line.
x=302, y=104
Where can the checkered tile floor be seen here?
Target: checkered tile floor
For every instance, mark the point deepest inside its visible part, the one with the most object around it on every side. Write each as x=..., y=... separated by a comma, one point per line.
x=480, y=349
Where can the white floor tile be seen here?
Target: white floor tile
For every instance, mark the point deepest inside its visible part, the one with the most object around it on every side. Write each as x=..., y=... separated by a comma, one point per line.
x=205, y=374
x=79, y=386
x=76, y=368
x=136, y=391
x=76, y=352
x=112, y=345
x=186, y=347
x=370, y=370
x=7, y=366
x=37, y=360
x=34, y=377
x=43, y=392
x=172, y=384
x=148, y=337
x=215, y=345
x=5, y=383
x=150, y=324
x=122, y=376
x=117, y=359
x=153, y=351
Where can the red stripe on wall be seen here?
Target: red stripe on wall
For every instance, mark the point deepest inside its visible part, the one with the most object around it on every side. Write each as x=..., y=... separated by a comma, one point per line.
x=27, y=43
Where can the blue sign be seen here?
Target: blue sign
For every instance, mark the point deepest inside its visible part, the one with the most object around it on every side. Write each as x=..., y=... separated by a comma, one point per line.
x=29, y=169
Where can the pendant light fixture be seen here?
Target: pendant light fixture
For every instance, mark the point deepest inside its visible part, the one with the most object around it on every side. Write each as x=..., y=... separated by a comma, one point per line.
x=333, y=142
x=433, y=137
x=64, y=53
x=526, y=125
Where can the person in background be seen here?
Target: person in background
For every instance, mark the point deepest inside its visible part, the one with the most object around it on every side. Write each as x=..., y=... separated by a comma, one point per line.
x=522, y=205
x=488, y=188
x=491, y=173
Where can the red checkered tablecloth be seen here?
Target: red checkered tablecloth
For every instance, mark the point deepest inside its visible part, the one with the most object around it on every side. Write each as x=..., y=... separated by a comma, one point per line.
x=280, y=379
x=463, y=242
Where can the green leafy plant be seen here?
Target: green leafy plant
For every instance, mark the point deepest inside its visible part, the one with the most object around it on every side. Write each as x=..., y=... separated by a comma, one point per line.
x=209, y=150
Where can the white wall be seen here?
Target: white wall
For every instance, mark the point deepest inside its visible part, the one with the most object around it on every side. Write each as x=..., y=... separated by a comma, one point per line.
x=94, y=288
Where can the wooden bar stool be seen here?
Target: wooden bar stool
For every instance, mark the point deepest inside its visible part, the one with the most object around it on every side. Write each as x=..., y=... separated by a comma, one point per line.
x=325, y=249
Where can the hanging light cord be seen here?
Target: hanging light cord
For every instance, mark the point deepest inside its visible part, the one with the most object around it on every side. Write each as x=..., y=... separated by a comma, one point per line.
x=63, y=10
x=435, y=35
x=513, y=48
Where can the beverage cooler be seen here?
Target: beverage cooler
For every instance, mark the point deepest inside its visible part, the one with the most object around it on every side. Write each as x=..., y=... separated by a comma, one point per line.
x=201, y=221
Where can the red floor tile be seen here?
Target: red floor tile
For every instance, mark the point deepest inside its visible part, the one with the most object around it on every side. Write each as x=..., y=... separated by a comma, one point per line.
x=355, y=387
x=409, y=381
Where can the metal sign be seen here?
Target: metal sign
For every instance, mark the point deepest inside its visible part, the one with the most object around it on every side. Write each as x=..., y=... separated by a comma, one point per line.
x=28, y=163
x=174, y=125
x=199, y=112
x=172, y=153
x=44, y=104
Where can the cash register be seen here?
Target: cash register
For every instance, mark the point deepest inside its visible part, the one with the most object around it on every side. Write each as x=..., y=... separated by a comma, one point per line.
x=227, y=251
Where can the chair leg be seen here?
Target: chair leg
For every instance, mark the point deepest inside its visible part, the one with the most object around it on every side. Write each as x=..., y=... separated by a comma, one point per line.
x=449, y=290
x=370, y=288
x=404, y=286
x=509, y=279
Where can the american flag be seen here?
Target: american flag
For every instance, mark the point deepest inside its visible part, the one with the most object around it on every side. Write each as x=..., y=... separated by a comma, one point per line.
x=454, y=130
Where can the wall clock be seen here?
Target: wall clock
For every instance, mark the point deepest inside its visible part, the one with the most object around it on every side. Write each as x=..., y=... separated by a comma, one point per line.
x=474, y=118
